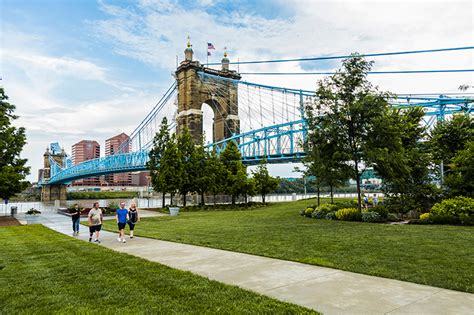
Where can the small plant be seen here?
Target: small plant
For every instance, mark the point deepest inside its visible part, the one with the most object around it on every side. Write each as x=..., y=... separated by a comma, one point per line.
x=113, y=206
x=33, y=211
x=425, y=217
x=371, y=217
x=348, y=214
x=392, y=217
x=327, y=207
x=330, y=216
x=318, y=214
x=308, y=212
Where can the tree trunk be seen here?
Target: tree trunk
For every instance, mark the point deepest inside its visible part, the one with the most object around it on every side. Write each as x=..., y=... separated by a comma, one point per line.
x=319, y=190
x=164, y=201
x=202, y=199
x=332, y=194
x=233, y=200
x=214, y=197
x=359, y=204
x=263, y=199
x=184, y=199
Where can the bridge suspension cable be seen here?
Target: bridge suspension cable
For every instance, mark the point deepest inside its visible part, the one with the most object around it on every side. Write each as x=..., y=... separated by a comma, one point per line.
x=348, y=56
x=369, y=72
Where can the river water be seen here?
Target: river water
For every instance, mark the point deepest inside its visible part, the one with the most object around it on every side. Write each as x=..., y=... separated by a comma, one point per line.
x=22, y=207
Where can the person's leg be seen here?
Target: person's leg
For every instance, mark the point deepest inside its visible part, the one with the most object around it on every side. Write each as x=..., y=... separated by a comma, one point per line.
x=91, y=232
x=76, y=226
x=132, y=227
x=73, y=227
x=97, y=230
x=119, y=237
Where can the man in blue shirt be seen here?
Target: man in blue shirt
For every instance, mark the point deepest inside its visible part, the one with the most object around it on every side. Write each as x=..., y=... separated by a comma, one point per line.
x=121, y=215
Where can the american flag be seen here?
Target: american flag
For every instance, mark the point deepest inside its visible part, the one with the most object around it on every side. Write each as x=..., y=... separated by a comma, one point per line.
x=210, y=46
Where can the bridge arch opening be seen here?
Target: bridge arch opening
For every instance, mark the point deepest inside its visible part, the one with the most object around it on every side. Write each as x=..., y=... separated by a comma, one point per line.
x=208, y=119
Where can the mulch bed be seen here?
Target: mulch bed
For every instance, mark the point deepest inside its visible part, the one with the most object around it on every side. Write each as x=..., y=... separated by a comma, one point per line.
x=8, y=221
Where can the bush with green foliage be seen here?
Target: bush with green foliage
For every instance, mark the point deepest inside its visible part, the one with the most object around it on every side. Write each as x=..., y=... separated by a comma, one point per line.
x=381, y=210
x=392, y=217
x=327, y=207
x=348, y=214
x=330, y=216
x=308, y=212
x=317, y=214
x=425, y=217
x=371, y=217
x=458, y=206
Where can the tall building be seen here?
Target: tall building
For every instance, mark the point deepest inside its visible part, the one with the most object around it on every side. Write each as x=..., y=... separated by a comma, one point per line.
x=82, y=151
x=116, y=145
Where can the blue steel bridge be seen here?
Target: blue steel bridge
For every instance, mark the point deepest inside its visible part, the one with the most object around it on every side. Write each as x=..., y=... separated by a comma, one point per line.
x=270, y=121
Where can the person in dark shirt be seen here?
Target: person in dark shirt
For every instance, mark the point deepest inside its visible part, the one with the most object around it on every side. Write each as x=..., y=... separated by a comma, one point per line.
x=76, y=216
x=133, y=218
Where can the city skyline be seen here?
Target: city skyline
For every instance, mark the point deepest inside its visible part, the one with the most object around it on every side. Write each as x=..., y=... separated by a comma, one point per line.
x=79, y=70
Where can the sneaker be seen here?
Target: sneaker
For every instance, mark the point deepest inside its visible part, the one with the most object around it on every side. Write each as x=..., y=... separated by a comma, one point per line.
x=97, y=241
x=131, y=236
x=118, y=239
x=124, y=241
x=90, y=239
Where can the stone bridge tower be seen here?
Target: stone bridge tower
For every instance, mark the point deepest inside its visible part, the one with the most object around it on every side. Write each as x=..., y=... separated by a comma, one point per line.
x=51, y=192
x=221, y=96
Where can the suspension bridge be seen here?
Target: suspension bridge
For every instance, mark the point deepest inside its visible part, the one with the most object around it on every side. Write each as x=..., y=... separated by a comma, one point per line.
x=266, y=121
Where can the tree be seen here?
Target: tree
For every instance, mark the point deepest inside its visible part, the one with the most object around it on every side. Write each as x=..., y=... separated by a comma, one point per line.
x=346, y=107
x=264, y=183
x=12, y=168
x=160, y=141
x=236, y=175
x=216, y=174
x=186, y=150
x=171, y=171
x=461, y=179
x=200, y=159
x=449, y=137
x=403, y=159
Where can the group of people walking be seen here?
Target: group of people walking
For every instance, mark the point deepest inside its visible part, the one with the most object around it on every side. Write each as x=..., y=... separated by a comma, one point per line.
x=95, y=217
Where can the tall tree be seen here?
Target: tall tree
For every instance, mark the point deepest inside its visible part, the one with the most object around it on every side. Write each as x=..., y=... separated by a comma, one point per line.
x=449, y=137
x=264, y=183
x=171, y=169
x=186, y=148
x=12, y=168
x=403, y=159
x=217, y=175
x=346, y=107
x=236, y=172
x=201, y=162
x=460, y=180
x=160, y=142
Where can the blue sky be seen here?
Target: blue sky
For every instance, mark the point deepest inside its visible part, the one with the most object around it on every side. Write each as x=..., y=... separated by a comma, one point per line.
x=89, y=69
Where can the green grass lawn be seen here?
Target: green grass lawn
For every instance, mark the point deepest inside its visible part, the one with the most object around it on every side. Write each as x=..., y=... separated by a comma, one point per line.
x=436, y=255
x=42, y=271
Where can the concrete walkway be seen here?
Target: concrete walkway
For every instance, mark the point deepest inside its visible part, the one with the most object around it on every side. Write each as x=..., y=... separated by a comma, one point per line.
x=329, y=291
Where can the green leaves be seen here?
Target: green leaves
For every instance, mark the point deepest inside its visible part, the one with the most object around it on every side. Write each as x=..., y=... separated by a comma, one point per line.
x=13, y=169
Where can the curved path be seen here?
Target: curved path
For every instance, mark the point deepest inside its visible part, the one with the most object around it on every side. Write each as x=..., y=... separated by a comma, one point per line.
x=327, y=290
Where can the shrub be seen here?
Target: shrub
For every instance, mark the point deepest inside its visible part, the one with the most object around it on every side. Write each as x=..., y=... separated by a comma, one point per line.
x=308, y=212
x=441, y=219
x=113, y=205
x=381, y=210
x=348, y=214
x=425, y=217
x=455, y=207
x=318, y=214
x=330, y=216
x=302, y=212
x=327, y=207
x=392, y=217
x=371, y=216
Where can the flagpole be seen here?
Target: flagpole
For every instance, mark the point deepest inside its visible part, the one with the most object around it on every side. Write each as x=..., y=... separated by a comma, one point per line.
x=207, y=55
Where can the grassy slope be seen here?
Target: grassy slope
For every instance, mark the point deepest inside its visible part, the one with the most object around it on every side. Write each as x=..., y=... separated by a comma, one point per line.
x=441, y=256
x=42, y=271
